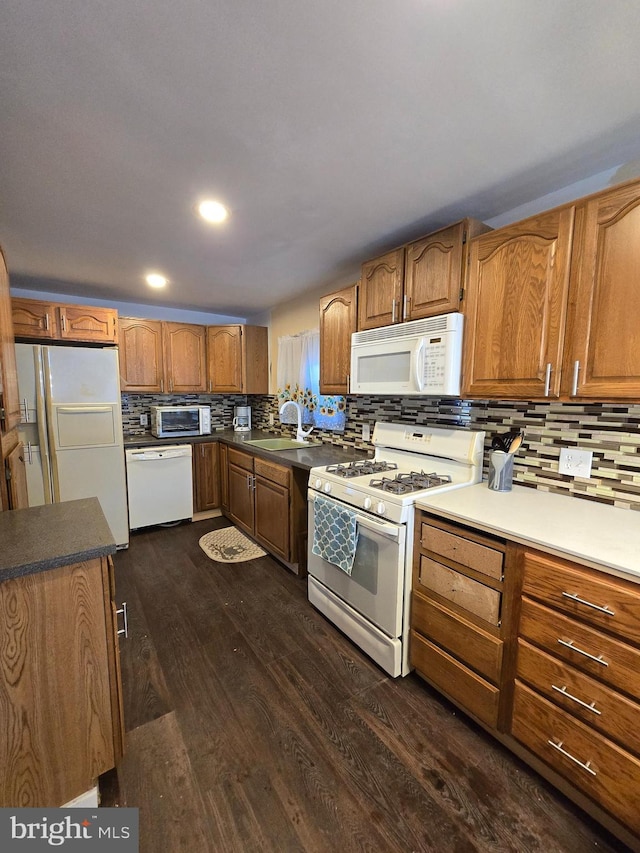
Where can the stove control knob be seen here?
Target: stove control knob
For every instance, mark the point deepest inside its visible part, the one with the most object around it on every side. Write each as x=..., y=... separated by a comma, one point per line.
x=381, y=508
x=327, y=488
x=367, y=503
x=318, y=483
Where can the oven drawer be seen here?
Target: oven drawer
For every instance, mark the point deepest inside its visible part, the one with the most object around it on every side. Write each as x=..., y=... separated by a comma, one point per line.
x=475, y=647
x=474, y=553
x=596, y=704
x=455, y=680
x=604, y=771
x=602, y=656
x=603, y=601
x=466, y=593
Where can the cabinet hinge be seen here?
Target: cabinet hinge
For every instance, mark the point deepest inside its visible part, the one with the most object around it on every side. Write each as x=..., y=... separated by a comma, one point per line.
x=7, y=472
x=461, y=294
x=464, y=237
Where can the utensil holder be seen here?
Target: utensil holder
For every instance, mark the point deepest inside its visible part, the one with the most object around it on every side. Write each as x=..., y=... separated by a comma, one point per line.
x=500, y=471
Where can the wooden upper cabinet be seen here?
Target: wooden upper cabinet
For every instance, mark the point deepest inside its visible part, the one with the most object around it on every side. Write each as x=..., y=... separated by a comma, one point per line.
x=140, y=355
x=381, y=287
x=185, y=361
x=434, y=270
x=9, y=399
x=602, y=355
x=34, y=319
x=515, y=308
x=88, y=323
x=338, y=320
x=421, y=279
x=237, y=358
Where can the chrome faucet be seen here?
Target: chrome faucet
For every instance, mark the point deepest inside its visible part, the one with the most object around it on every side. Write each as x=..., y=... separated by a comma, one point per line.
x=301, y=435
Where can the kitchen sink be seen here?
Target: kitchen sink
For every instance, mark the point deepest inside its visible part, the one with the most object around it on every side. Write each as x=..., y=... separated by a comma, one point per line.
x=281, y=443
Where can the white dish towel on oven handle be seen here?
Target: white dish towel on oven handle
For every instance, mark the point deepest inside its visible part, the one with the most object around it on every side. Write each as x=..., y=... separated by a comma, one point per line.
x=335, y=534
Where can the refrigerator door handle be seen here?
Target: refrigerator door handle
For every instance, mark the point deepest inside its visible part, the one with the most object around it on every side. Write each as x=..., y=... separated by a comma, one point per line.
x=41, y=419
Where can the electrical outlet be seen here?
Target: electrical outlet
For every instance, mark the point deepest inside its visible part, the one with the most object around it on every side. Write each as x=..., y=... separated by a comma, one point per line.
x=575, y=462
x=272, y=419
x=144, y=420
x=366, y=432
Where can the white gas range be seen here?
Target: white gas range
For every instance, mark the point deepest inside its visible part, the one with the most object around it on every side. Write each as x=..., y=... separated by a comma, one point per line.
x=376, y=498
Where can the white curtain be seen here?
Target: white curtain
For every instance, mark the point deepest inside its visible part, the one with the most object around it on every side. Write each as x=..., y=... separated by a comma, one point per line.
x=298, y=378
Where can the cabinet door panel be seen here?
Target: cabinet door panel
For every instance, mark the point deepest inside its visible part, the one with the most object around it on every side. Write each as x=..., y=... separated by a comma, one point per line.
x=9, y=399
x=517, y=295
x=272, y=517
x=16, y=478
x=433, y=273
x=380, y=300
x=338, y=321
x=206, y=476
x=224, y=345
x=33, y=319
x=604, y=319
x=185, y=357
x=241, y=498
x=87, y=323
x=140, y=355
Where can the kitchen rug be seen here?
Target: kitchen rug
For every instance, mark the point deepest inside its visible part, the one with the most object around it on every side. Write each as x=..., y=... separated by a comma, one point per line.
x=229, y=545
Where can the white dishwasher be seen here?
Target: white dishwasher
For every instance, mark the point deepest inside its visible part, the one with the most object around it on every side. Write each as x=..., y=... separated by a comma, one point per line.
x=159, y=484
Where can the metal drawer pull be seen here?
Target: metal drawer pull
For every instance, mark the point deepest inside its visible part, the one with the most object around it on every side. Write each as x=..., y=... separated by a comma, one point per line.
x=125, y=622
x=575, y=760
x=570, y=645
x=586, y=603
x=565, y=692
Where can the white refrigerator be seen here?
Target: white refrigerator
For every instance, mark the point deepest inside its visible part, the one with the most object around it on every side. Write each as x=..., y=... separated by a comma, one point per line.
x=71, y=428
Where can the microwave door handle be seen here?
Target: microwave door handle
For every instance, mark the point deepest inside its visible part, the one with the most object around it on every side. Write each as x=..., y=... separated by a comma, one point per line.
x=418, y=364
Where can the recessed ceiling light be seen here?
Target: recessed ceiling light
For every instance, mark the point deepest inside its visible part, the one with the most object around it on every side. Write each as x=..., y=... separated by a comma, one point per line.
x=155, y=279
x=213, y=211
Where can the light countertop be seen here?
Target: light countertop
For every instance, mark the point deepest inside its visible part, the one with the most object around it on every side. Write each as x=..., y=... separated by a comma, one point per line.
x=594, y=534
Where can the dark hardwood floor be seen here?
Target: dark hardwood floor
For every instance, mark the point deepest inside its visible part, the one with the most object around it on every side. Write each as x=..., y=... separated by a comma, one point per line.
x=254, y=725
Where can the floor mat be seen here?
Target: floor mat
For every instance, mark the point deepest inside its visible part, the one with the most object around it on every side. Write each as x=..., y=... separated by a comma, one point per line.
x=230, y=545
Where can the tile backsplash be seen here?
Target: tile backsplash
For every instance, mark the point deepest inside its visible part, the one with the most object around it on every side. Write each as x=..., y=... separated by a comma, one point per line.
x=610, y=430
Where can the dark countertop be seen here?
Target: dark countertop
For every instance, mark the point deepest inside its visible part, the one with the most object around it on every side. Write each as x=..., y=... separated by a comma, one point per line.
x=45, y=537
x=313, y=456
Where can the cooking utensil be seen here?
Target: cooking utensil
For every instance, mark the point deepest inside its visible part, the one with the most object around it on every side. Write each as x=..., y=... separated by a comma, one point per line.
x=515, y=443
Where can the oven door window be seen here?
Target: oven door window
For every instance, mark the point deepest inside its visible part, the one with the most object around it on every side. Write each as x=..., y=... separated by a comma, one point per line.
x=375, y=587
x=184, y=421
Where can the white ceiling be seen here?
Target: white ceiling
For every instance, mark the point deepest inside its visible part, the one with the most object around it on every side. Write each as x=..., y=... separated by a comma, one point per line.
x=333, y=130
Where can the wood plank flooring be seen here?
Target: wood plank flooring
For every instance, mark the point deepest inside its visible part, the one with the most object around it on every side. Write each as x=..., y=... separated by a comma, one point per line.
x=254, y=725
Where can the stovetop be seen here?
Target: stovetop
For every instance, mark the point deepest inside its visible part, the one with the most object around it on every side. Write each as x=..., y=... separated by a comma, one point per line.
x=408, y=461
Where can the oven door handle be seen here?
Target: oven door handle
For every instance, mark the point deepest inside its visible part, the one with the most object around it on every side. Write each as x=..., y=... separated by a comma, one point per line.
x=391, y=531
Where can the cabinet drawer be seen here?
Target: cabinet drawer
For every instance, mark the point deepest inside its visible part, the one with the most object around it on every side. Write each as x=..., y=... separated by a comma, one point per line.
x=455, y=680
x=475, y=647
x=271, y=471
x=465, y=592
x=242, y=460
x=476, y=555
x=605, y=602
x=594, y=764
x=619, y=664
x=596, y=704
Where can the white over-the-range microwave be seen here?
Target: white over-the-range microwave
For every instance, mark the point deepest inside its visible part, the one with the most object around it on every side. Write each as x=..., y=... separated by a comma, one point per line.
x=419, y=357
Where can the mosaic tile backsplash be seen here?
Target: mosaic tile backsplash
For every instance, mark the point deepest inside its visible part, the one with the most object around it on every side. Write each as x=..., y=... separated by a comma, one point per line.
x=610, y=430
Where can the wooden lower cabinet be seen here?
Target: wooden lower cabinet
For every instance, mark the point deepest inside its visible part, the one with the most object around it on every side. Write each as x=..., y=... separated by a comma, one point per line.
x=272, y=498
x=596, y=765
x=224, y=476
x=463, y=628
x=60, y=689
x=543, y=652
x=268, y=502
x=206, y=476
